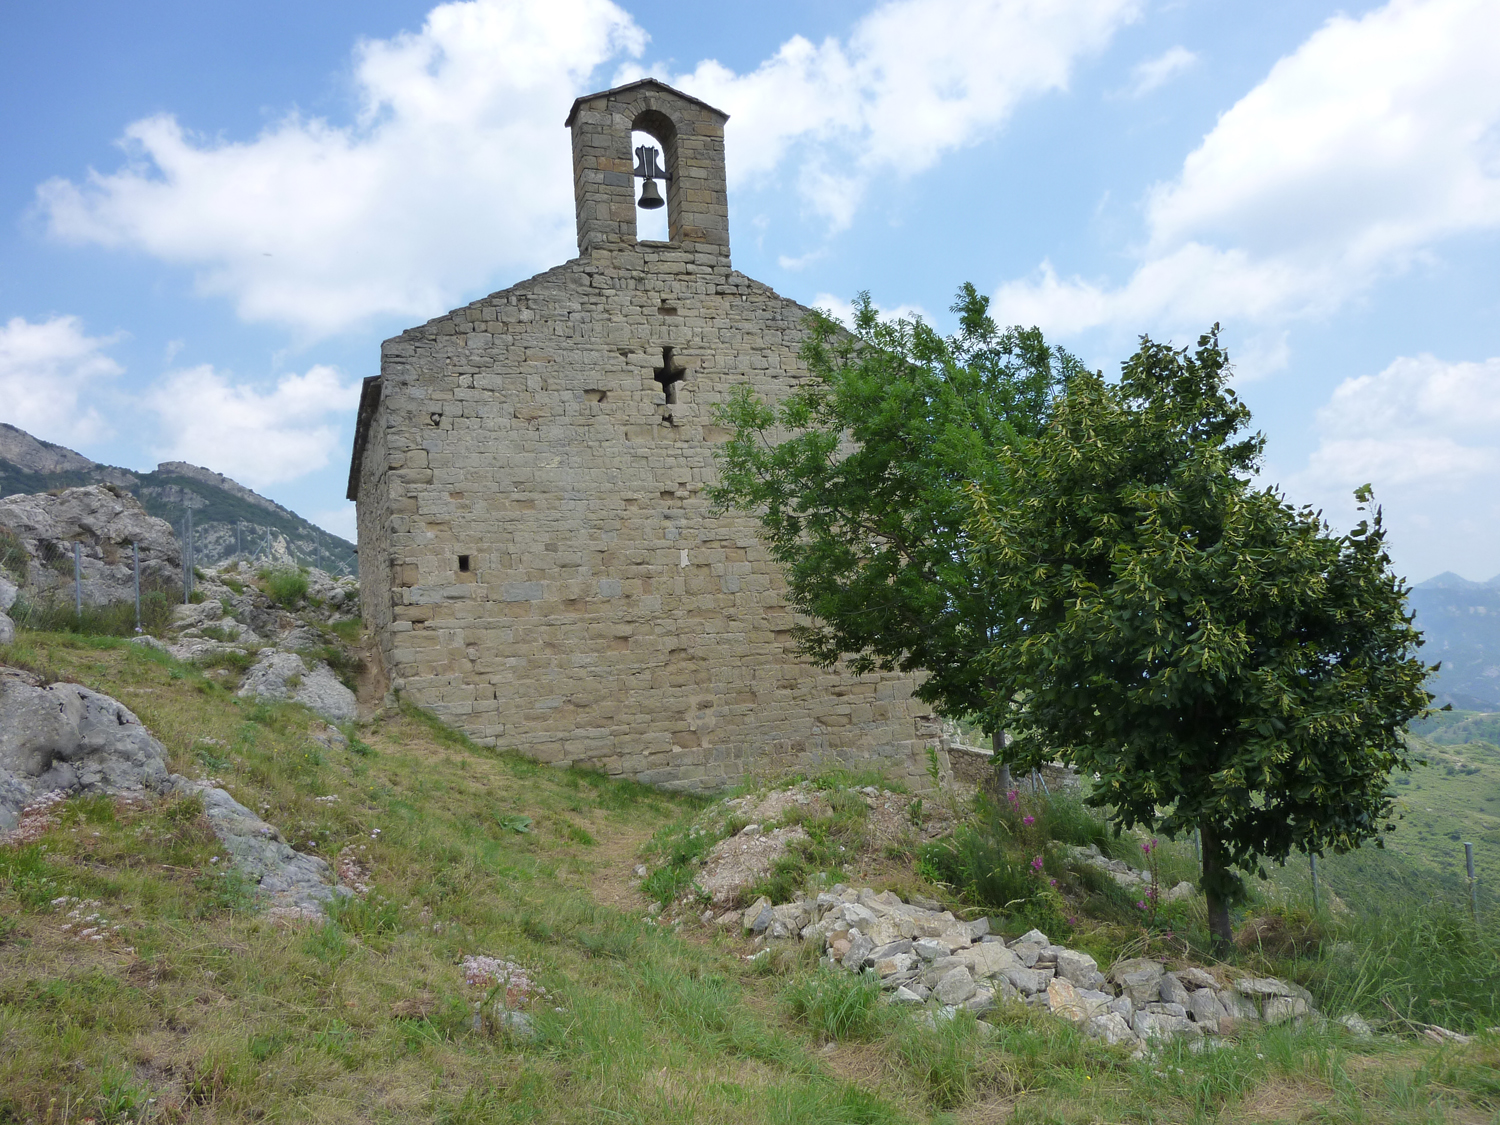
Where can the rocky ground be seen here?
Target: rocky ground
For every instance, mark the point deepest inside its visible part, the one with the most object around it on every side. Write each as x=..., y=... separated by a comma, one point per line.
x=289, y=648
x=925, y=955
x=61, y=740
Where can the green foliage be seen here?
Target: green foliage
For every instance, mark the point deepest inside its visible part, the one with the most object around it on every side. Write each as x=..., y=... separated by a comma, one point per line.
x=284, y=586
x=59, y=615
x=236, y=660
x=1215, y=655
x=346, y=665
x=837, y=1005
x=225, y=889
x=949, y=1059
x=28, y=874
x=679, y=849
x=1425, y=961
x=1004, y=857
x=514, y=823
x=864, y=506
x=13, y=556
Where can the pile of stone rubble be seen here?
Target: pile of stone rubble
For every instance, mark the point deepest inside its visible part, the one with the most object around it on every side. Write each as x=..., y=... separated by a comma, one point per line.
x=924, y=954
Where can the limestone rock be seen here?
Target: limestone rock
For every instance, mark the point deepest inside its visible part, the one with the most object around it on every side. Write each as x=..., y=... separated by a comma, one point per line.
x=105, y=521
x=282, y=675
x=860, y=948
x=758, y=915
x=291, y=878
x=956, y=986
x=1111, y=1028
x=8, y=593
x=69, y=738
x=1356, y=1026
x=1079, y=968
x=7, y=628
x=1139, y=977
x=1173, y=991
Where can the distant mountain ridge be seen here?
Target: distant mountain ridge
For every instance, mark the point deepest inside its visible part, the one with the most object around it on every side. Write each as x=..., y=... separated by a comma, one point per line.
x=228, y=518
x=1461, y=622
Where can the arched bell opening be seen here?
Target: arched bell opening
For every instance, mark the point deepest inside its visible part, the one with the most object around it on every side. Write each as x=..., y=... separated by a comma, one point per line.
x=653, y=153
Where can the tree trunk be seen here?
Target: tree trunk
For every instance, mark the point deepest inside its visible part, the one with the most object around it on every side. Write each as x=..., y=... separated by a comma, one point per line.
x=1218, y=908
x=1002, y=768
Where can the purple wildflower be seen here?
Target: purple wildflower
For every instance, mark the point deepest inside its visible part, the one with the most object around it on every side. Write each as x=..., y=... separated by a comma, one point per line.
x=1036, y=863
x=1028, y=820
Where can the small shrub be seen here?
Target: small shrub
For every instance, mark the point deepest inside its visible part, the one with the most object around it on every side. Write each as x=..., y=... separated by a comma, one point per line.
x=287, y=588
x=837, y=1005
x=236, y=660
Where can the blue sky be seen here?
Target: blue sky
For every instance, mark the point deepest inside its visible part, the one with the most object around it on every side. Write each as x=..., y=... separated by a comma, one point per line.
x=214, y=213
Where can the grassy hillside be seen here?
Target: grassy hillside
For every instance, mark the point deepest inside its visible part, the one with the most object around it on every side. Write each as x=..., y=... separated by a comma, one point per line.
x=195, y=1007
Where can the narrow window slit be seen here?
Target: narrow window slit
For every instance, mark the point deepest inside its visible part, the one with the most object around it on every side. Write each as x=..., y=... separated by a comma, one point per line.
x=463, y=564
x=670, y=375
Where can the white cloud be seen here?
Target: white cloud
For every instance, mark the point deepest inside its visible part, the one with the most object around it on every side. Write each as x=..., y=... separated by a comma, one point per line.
x=915, y=80
x=257, y=437
x=843, y=311
x=1426, y=433
x=1153, y=73
x=1419, y=422
x=1359, y=152
x=457, y=170
x=50, y=375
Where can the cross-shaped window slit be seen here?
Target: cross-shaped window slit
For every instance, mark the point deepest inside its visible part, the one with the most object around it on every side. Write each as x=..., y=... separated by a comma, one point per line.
x=669, y=375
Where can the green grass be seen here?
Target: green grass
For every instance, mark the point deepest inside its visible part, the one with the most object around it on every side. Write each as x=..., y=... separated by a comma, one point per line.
x=835, y=1004
x=286, y=587
x=114, y=620
x=220, y=1014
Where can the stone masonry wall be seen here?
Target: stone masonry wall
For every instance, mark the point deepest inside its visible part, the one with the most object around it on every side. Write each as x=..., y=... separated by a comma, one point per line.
x=607, y=617
x=537, y=555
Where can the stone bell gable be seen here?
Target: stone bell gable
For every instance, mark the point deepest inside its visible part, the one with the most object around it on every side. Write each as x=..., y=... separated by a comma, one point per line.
x=538, y=560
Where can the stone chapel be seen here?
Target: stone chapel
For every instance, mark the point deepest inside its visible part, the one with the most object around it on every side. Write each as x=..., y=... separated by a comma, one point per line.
x=537, y=558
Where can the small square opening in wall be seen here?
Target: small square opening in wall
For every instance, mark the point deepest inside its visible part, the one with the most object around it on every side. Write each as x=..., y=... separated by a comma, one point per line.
x=463, y=564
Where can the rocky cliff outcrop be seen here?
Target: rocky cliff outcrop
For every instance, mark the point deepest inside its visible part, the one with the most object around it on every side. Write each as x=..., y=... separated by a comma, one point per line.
x=105, y=522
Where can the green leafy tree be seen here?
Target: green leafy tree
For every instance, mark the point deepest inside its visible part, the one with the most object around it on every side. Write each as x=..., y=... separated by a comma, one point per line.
x=859, y=479
x=1217, y=657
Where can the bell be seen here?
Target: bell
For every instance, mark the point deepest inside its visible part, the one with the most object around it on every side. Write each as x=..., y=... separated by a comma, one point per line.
x=651, y=198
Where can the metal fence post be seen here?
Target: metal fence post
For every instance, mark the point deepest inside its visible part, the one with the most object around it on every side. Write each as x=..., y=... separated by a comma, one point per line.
x=1473, y=883
x=78, y=579
x=135, y=555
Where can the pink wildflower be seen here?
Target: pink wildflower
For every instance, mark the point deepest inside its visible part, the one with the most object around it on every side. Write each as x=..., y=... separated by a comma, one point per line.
x=1036, y=863
x=1014, y=797
x=1140, y=905
x=1028, y=820
x=1052, y=881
